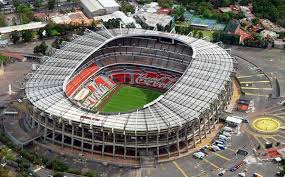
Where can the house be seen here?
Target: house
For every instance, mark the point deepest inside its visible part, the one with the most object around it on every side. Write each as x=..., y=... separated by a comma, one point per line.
x=234, y=27
x=267, y=34
x=94, y=8
x=267, y=24
x=247, y=12
x=41, y=16
x=76, y=18
x=150, y=20
x=118, y=14
x=279, y=44
x=165, y=11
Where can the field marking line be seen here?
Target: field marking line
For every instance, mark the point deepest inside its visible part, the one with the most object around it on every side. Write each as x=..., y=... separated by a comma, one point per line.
x=258, y=140
x=249, y=76
x=180, y=169
x=248, y=82
x=256, y=88
x=232, y=150
x=148, y=172
x=274, y=139
x=254, y=94
x=221, y=156
x=211, y=163
x=162, y=166
x=280, y=136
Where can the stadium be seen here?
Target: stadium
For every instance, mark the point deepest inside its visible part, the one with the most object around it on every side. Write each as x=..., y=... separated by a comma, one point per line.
x=128, y=93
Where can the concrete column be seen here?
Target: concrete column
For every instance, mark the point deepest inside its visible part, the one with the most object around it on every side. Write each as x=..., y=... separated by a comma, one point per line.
x=205, y=126
x=193, y=134
x=209, y=122
x=103, y=143
x=125, y=144
x=177, y=141
x=82, y=138
x=92, y=140
x=136, y=148
x=114, y=147
x=168, y=149
x=45, y=129
x=186, y=134
x=157, y=145
x=62, y=134
x=199, y=126
x=53, y=130
x=72, y=136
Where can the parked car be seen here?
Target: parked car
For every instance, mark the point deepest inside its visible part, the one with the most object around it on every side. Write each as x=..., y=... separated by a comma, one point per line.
x=222, y=147
x=223, y=137
x=199, y=155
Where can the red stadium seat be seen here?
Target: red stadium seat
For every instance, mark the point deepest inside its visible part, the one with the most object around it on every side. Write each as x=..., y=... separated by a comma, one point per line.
x=76, y=81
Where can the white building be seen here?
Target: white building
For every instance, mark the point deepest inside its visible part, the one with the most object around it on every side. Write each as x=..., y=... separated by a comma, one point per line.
x=152, y=20
x=109, y=5
x=118, y=14
x=99, y=7
x=29, y=26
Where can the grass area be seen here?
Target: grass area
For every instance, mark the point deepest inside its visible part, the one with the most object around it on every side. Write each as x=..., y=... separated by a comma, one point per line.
x=128, y=98
x=8, y=154
x=207, y=33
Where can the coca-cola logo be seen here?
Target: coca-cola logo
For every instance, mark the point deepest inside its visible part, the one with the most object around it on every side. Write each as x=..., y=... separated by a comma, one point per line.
x=161, y=82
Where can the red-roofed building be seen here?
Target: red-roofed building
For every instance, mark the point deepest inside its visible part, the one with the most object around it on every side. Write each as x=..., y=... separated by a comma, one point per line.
x=243, y=35
x=41, y=16
x=165, y=11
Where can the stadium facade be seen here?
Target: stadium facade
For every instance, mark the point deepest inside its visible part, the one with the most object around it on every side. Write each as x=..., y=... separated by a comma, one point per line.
x=168, y=126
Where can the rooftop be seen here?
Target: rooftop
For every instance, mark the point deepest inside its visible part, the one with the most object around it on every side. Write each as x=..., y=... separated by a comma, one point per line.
x=29, y=26
x=92, y=5
x=74, y=17
x=153, y=19
x=108, y=3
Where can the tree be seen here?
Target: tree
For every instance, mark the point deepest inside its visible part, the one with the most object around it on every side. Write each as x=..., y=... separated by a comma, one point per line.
x=42, y=48
x=243, y=2
x=51, y=4
x=255, y=21
x=178, y=13
x=38, y=3
x=26, y=13
x=2, y=20
x=127, y=7
x=200, y=34
x=27, y=35
x=15, y=36
x=112, y=23
x=4, y=172
x=165, y=3
x=225, y=3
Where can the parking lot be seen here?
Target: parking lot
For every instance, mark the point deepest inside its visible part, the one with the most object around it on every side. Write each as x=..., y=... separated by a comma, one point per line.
x=213, y=163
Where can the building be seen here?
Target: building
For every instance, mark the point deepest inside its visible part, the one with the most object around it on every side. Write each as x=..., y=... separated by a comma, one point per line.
x=118, y=14
x=267, y=24
x=75, y=18
x=268, y=34
x=247, y=12
x=41, y=16
x=30, y=26
x=150, y=20
x=279, y=44
x=166, y=127
x=233, y=27
x=94, y=8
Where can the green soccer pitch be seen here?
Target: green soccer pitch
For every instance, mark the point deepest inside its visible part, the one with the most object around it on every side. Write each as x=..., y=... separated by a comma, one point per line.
x=129, y=98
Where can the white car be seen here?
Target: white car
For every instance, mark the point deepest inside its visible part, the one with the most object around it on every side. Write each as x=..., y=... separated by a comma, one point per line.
x=241, y=174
